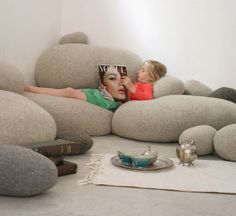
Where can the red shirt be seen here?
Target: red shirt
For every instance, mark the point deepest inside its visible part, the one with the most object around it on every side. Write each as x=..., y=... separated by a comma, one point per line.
x=143, y=91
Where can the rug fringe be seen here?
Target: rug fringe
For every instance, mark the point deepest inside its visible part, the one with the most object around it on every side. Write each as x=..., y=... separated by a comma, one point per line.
x=93, y=164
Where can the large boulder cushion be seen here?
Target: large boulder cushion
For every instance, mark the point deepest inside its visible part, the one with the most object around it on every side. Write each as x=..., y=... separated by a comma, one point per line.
x=22, y=121
x=25, y=172
x=165, y=118
x=76, y=65
x=203, y=136
x=75, y=115
x=225, y=142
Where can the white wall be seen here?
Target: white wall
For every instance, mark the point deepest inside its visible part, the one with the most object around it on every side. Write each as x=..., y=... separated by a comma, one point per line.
x=27, y=28
x=196, y=39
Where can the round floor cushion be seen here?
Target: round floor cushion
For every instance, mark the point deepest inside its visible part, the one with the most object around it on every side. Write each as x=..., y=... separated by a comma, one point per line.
x=25, y=172
x=203, y=136
x=225, y=142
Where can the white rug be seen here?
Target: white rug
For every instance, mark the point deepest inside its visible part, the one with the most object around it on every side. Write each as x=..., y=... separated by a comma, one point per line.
x=214, y=176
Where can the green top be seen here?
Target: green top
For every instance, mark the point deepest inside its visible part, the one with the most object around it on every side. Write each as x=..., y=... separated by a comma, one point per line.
x=94, y=96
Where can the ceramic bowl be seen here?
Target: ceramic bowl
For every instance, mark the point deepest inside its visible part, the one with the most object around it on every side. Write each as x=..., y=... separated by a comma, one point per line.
x=142, y=161
x=125, y=158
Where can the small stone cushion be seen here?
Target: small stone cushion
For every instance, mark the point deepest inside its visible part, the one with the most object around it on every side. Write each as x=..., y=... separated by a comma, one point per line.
x=168, y=85
x=25, y=172
x=203, y=136
x=76, y=37
x=11, y=78
x=84, y=141
x=225, y=142
x=196, y=88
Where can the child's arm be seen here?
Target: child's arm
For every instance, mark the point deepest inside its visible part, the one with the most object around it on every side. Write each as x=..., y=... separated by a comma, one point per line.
x=127, y=82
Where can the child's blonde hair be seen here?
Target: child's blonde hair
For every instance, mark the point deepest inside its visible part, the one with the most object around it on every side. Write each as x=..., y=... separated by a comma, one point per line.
x=156, y=69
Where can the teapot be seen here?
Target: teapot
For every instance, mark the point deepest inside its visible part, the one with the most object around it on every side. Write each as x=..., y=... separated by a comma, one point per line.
x=186, y=152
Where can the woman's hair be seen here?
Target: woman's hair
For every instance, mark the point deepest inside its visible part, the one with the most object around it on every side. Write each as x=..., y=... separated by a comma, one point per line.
x=156, y=69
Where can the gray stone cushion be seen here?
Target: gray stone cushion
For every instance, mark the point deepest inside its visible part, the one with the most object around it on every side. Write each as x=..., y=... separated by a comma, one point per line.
x=76, y=37
x=203, y=136
x=11, y=78
x=84, y=141
x=76, y=65
x=194, y=87
x=225, y=142
x=224, y=93
x=168, y=85
x=75, y=115
x=24, y=172
x=165, y=118
x=23, y=121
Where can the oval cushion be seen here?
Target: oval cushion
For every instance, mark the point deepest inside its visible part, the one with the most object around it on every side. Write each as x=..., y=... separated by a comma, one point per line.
x=25, y=172
x=11, y=78
x=194, y=87
x=76, y=65
x=22, y=121
x=168, y=85
x=203, y=136
x=165, y=118
x=225, y=142
x=84, y=141
x=75, y=115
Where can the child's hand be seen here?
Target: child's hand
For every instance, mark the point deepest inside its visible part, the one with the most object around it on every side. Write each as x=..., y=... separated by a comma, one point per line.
x=127, y=82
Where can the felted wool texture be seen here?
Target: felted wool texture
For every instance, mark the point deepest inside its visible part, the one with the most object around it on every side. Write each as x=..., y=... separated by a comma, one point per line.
x=75, y=115
x=22, y=121
x=76, y=65
x=84, y=141
x=195, y=87
x=76, y=37
x=203, y=136
x=165, y=118
x=11, y=78
x=225, y=93
x=24, y=172
x=168, y=85
x=225, y=142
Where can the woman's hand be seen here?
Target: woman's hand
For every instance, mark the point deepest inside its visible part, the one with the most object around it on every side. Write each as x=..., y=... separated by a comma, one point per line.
x=127, y=82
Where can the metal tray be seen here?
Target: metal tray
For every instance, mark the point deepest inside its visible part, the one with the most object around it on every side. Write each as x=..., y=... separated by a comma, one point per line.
x=161, y=163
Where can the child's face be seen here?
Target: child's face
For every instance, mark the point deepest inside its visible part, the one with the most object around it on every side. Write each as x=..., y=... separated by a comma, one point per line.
x=112, y=82
x=143, y=74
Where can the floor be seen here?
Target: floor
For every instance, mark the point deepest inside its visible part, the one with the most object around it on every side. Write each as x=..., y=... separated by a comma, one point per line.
x=67, y=198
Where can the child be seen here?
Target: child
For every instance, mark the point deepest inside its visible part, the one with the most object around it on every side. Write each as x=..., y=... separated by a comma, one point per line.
x=150, y=72
x=110, y=95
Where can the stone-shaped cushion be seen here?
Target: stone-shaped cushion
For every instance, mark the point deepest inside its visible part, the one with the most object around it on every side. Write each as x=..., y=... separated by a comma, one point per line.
x=225, y=142
x=203, y=136
x=76, y=37
x=194, y=87
x=224, y=93
x=25, y=172
x=11, y=78
x=22, y=121
x=165, y=118
x=76, y=65
x=75, y=115
x=168, y=85
x=84, y=141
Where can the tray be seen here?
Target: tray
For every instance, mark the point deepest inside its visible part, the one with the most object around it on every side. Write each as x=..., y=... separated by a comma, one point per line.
x=161, y=163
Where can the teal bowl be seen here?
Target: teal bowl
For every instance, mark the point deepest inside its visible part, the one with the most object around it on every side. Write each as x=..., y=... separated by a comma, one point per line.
x=141, y=161
x=125, y=158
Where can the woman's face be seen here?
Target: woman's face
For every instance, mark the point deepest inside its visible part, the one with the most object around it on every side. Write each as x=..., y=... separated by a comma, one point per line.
x=112, y=82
